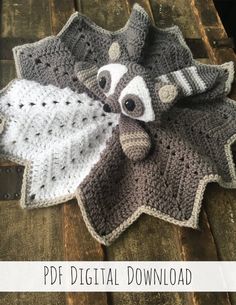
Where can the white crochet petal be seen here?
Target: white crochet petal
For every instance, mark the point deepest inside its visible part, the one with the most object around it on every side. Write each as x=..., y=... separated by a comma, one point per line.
x=56, y=133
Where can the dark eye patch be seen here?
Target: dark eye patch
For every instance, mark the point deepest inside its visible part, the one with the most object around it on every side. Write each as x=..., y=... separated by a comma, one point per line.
x=104, y=81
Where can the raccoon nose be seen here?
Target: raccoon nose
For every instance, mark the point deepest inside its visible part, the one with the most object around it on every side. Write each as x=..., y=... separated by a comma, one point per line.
x=106, y=108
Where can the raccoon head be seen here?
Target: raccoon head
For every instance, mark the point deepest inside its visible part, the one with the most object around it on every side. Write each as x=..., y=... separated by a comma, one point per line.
x=129, y=89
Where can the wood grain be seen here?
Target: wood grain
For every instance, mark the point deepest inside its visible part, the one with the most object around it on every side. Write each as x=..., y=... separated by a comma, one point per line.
x=199, y=245
x=147, y=239
x=60, y=12
x=211, y=29
x=30, y=235
x=219, y=202
x=25, y=18
x=59, y=233
x=77, y=243
x=171, y=12
x=27, y=235
x=111, y=15
x=7, y=72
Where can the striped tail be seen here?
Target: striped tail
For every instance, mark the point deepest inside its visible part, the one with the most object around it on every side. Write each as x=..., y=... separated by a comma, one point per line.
x=199, y=79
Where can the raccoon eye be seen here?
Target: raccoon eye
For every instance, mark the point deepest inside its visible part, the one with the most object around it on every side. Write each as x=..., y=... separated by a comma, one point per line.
x=109, y=76
x=129, y=104
x=104, y=80
x=133, y=105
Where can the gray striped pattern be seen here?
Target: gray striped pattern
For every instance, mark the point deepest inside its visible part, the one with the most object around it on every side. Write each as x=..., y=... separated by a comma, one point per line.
x=192, y=80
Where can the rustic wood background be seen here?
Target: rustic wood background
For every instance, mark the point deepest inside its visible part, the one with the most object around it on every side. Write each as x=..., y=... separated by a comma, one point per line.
x=59, y=233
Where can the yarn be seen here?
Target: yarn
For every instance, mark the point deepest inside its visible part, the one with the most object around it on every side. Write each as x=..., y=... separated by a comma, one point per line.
x=169, y=136
x=56, y=133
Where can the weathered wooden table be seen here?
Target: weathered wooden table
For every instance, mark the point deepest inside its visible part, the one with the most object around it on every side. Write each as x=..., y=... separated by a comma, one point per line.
x=59, y=233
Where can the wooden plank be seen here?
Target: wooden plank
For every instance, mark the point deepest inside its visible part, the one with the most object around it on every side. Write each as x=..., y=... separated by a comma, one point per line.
x=220, y=55
x=7, y=72
x=211, y=29
x=221, y=210
x=209, y=17
x=199, y=245
x=78, y=244
x=171, y=12
x=109, y=14
x=30, y=235
x=60, y=12
x=28, y=18
x=36, y=234
x=147, y=239
x=197, y=47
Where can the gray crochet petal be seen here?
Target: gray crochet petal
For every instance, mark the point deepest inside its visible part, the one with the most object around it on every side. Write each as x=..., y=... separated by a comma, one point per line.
x=52, y=60
x=165, y=51
x=191, y=145
x=89, y=42
x=208, y=128
x=191, y=148
x=48, y=61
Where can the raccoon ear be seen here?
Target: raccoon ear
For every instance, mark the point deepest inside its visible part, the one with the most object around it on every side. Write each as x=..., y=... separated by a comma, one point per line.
x=87, y=75
x=130, y=44
x=166, y=92
x=136, y=32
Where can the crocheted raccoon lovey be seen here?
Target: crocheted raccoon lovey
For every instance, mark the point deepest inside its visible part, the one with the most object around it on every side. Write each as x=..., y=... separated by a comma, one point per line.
x=130, y=90
x=169, y=128
x=126, y=121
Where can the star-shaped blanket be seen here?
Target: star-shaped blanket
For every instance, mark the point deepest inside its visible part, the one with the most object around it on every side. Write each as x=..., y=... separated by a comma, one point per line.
x=53, y=122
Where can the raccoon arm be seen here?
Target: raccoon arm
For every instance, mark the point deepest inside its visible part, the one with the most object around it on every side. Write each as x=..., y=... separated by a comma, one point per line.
x=134, y=140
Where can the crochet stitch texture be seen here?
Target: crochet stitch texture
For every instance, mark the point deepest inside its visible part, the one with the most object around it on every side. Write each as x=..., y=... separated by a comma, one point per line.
x=52, y=60
x=185, y=145
x=56, y=133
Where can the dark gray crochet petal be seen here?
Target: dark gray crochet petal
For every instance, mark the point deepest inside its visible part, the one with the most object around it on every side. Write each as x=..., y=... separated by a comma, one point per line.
x=208, y=128
x=52, y=60
x=191, y=148
x=89, y=42
x=165, y=185
x=165, y=51
x=191, y=143
x=48, y=62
